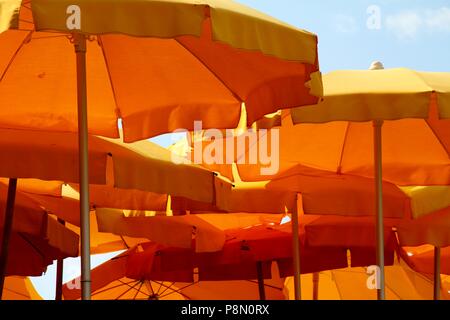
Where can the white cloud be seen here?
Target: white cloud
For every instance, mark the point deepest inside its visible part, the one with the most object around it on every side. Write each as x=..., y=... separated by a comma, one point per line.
x=345, y=23
x=438, y=20
x=406, y=25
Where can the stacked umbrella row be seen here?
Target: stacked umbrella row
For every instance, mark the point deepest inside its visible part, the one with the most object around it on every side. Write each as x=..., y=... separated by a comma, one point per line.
x=161, y=66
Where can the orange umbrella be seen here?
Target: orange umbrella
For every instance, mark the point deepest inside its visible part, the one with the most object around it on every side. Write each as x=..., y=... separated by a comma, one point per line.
x=36, y=239
x=134, y=176
x=416, y=145
x=380, y=95
x=114, y=280
x=270, y=65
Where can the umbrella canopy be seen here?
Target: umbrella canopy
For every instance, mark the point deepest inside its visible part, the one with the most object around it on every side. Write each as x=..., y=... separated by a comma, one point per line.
x=215, y=56
x=382, y=94
x=142, y=166
x=402, y=283
x=421, y=259
x=415, y=151
x=379, y=95
x=19, y=288
x=37, y=239
x=271, y=65
x=116, y=279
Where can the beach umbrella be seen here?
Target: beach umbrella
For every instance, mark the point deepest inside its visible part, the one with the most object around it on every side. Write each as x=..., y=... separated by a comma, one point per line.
x=402, y=283
x=215, y=55
x=19, y=288
x=423, y=259
x=126, y=276
x=35, y=238
x=332, y=136
x=134, y=176
x=379, y=95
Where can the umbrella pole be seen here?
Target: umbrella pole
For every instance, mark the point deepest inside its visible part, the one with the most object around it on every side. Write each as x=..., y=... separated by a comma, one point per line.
x=296, y=254
x=80, y=49
x=59, y=272
x=315, y=286
x=259, y=271
x=437, y=273
x=7, y=229
x=377, y=130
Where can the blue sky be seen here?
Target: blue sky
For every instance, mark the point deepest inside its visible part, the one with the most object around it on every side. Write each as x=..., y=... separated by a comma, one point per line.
x=411, y=33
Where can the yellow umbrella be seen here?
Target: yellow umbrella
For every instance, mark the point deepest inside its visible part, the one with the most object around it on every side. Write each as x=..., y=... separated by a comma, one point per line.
x=378, y=95
x=270, y=64
x=402, y=283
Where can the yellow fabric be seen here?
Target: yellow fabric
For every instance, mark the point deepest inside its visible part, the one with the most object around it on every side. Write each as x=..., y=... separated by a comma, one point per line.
x=402, y=283
x=231, y=23
x=36, y=186
x=9, y=11
x=102, y=242
x=427, y=199
x=19, y=288
x=365, y=95
x=254, y=197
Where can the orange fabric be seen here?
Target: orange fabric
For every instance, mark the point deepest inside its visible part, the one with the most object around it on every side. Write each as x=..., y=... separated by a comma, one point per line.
x=175, y=81
x=327, y=193
x=19, y=288
x=37, y=239
x=347, y=231
x=142, y=165
x=172, y=231
x=111, y=281
x=421, y=259
x=430, y=229
x=255, y=198
x=102, y=242
x=414, y=152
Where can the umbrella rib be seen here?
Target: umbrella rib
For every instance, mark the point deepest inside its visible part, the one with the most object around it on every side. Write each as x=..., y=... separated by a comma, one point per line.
x=126, y=244
x=117, y=110
x=436, y=135
x=15, y=55
x=347, y=129
x=113, y=287
x=210, y=70
x=22, y=235
x=129, y=289
x=138, y=291
x=166, y=287
x=178, y=290
x=265, y=285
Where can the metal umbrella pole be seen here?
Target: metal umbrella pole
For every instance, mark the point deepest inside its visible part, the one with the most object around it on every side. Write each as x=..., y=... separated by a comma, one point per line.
x=437, y=273
x=377, y=130
x=7, y=229
x=261, y=288
x=59, y=272
x=316, y=277
x=80, y=49
x=296, y=254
